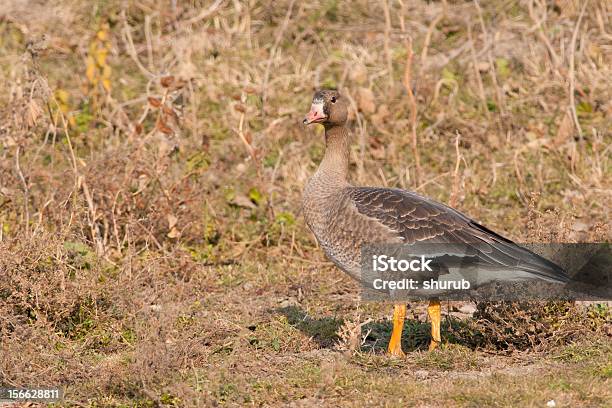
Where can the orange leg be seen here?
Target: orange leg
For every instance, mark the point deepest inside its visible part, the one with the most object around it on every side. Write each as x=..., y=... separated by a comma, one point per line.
x=395, y=344
x=435, y=316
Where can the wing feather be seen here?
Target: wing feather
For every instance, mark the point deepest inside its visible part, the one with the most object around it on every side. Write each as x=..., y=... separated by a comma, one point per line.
x=417, y=219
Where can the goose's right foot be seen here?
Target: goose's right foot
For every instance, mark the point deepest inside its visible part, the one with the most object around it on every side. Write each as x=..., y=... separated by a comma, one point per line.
x=395, y=344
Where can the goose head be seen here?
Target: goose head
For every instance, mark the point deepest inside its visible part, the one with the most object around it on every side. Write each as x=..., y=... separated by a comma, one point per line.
x=328, y=108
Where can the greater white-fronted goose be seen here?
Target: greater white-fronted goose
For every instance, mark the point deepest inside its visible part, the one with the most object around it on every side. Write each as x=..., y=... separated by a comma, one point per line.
x=343, y=217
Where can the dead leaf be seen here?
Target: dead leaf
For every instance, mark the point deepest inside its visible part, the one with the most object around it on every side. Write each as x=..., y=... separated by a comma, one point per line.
x=174, y=233
x=170, y=112
x=243, y=201
x=156, y=103
x=167, y=81
x=162, y=127
x=172, y=220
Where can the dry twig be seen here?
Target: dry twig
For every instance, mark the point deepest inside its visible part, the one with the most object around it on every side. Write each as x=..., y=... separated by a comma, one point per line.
x=413, y=112
x=277, y=40
x=387, y=40
x=481, y=92
x=452, y=201
x=432, y=27
x=498, y=92
x=572, y=71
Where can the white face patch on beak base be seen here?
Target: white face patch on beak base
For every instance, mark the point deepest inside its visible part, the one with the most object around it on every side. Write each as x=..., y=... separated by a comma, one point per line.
x=316, y=113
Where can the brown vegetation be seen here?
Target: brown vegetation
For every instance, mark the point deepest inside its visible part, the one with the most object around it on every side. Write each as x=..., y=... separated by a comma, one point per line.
x=152, y=251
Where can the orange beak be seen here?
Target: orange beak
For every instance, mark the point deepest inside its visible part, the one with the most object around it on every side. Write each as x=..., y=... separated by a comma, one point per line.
x=316, y=114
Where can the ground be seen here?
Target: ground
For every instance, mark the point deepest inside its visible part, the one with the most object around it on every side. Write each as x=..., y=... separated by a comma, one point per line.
x=152, y=158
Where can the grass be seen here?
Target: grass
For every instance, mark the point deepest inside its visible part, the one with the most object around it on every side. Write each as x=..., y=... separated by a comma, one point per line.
x=152, y=248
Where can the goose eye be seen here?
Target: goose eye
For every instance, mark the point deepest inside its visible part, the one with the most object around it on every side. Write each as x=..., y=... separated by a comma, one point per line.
x=333, y=99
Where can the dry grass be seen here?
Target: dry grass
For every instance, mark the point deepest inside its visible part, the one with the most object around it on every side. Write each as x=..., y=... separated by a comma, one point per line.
x=152, y=250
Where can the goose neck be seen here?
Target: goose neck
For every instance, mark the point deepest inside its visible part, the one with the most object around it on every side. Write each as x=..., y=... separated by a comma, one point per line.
x=335, y=162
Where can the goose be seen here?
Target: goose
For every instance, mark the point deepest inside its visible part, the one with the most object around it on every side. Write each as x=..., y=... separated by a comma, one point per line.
x=344, y=218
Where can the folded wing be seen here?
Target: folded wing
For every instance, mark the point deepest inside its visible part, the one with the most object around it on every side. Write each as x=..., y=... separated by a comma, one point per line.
x=419, y=220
